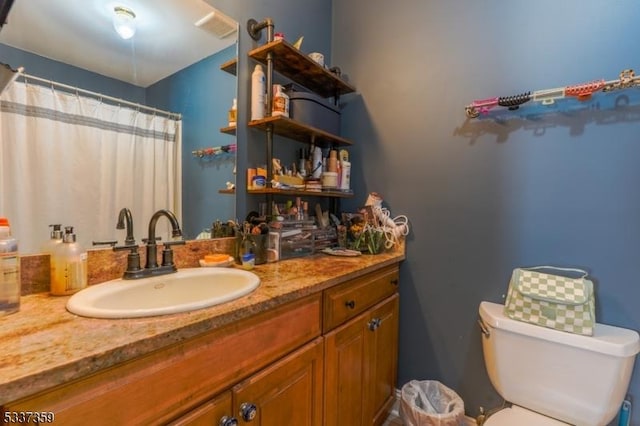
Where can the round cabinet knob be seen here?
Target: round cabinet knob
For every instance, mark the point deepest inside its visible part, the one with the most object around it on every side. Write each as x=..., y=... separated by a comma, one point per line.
x=351, y=304
x=248, y=411
x=228, y=421
x=374, y=324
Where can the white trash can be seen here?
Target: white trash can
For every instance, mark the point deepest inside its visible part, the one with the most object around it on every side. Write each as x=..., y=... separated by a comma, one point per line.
x=430, y=403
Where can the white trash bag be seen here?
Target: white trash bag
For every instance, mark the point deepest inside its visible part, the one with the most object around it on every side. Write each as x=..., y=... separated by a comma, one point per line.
x=430, y=403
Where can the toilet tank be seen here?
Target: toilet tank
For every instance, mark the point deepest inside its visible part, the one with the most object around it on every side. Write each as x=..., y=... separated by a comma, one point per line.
x=581, y=380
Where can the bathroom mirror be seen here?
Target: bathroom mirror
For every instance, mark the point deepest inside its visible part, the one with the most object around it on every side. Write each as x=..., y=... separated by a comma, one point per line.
x=64, y=36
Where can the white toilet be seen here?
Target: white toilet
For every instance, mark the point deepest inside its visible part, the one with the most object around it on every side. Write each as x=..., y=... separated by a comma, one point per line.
x=552, y=377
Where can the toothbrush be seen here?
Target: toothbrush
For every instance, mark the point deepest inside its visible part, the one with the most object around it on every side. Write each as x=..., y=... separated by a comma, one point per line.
x=624, y=418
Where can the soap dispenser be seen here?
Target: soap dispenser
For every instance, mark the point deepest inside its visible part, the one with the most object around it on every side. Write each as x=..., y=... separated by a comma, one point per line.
x=68, y=266
x=53, y=242
x=51, y=245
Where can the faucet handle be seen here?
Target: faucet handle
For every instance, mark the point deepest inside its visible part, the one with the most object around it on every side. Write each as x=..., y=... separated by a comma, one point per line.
x=104, y=243
x=133, y=261
x=167, y=252
x=146, y=240
x=132, y=247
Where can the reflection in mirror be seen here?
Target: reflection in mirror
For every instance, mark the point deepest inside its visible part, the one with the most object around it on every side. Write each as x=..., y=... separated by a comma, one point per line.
x=172, y=63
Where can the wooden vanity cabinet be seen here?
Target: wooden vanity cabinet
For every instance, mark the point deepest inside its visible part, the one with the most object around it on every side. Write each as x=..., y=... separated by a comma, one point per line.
x=325, y=359
x=346, y=378
x=168, y=383
x=361, y=353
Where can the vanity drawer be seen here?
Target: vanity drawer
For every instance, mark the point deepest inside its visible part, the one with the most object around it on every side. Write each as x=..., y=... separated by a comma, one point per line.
x=347, y=300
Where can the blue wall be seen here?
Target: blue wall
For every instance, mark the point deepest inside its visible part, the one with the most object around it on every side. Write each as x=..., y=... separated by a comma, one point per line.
x=203, y=93
x=485, y=196
x=60, y=72
x=311, y=20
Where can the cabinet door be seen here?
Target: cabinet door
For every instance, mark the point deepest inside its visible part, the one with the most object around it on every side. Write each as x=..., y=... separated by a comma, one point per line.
x=382, y=359
x=361, y=366
x=346, y=373
x=289, y=392
x=209, y=413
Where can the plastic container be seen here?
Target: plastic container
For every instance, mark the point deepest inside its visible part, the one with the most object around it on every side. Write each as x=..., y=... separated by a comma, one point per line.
x=430, y=403
x=68, y=266
x=254, y=244
x=9, y=270
x=330, y=180
x=248, y=261
x=258, y=92
x=311, y=109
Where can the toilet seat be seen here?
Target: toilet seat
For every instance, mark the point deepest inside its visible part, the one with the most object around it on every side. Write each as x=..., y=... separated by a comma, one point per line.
x=516, y=415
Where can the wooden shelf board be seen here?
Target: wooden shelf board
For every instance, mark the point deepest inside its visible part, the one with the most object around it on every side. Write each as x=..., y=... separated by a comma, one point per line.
x=301, y=192
x=231, y=66
x=295, y=65
x=230, y=130
x=227, y=191
x=295, y=130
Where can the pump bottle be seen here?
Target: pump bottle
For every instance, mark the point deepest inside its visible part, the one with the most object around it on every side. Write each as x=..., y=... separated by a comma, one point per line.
x=51, y=245
x=56, y=238
x=68, y=266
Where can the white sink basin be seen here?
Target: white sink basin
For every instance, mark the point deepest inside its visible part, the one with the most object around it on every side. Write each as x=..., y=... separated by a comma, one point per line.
x=186, y=290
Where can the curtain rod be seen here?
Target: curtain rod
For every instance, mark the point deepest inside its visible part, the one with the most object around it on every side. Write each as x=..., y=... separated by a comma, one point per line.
x=168, y=114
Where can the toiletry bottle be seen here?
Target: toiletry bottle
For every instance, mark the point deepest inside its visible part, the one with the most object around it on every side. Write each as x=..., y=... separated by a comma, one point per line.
x=345, y=178
x=69, y=266
x=345, y=171
x=51, y=245
x=258, y=91
x=317, y=163
x=332, y=162
x=233, y=113
x=280, y=101
x=302, y=163
x=9, y=270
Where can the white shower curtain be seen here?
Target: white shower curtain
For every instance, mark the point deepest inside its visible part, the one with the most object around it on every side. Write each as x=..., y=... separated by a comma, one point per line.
x=75, y=160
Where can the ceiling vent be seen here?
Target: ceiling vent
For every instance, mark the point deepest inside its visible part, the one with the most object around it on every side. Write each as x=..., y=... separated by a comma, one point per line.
x=218, y=24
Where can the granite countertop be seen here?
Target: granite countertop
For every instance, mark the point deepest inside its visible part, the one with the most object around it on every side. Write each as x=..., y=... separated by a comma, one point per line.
x=43, y=345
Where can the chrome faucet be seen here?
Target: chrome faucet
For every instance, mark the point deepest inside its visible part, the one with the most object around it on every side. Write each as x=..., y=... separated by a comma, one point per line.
x=167, y=266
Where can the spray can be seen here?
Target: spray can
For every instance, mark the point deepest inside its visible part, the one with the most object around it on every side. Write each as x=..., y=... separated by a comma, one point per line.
x=258, y=92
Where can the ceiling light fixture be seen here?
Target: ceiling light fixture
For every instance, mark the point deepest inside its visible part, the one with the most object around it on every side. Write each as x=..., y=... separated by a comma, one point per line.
x=124, y=22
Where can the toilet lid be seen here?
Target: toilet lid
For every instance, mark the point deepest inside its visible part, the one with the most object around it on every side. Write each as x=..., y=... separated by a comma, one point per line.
x=516, y=415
